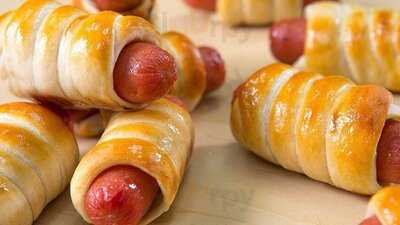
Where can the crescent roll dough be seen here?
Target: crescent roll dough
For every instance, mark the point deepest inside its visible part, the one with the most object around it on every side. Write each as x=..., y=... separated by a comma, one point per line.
x=257, y=12
x=386, y=206
x=38, y=155
x=192, y=78
x=362, y=41
x=64, y=55
x=325, y=127
x=142, y=10
x=157, y=140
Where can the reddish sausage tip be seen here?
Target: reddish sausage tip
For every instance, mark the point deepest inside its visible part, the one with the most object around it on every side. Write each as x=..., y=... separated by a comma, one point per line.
x=215, y=68
x=120, y=195
x=208, y=5
x=287, y=39
x=373, y=220
x=117, y=5
x=388, y=153
x=144, y=72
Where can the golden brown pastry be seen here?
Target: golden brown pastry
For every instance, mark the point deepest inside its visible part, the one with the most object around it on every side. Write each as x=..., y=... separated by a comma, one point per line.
x=157, y=140
x=190, y=87
x=142, y=8
x=384, y=207
x=257, y=12
x=323, y=126
x=38, y=155
x=192, y=79
x=362, y=42
x=66, y=56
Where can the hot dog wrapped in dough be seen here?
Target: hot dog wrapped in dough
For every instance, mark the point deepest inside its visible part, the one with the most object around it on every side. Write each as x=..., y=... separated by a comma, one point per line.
x=63, y=55
x=384, y=207
x=141, y=8
x=139, y=162
x=201, y=70
x=38, y=156
x=323, y=126
x=361, y=40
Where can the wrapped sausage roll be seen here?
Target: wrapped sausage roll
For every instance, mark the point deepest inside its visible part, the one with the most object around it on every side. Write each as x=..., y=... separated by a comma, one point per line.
x=362, y=42
x=201, y=70
x=157, y=141
x=63, y=55
x=325, y=127
x=38, y=155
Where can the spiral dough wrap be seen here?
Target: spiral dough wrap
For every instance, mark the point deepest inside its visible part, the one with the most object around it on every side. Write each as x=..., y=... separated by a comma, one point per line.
x=64, y=55
x=257, y=12
x=157, y=140
x=325, y=127
x=363, y=41
x=38, y=155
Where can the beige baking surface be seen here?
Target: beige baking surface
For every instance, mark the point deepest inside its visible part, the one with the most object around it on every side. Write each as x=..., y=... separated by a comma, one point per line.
x=225, y=185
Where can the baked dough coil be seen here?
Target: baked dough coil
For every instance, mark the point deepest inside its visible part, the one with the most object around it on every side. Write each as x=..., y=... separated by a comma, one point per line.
x=323, y=126
x=386, y=206
x=190, y=86
x=362, y=41
x=257, y=12
x=143, y=10
x=38, y=155
x=157, y=140
x=192, y=78
x=64, y=55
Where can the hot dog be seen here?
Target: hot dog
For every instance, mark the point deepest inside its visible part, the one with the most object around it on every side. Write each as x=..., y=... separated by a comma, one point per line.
x=144, y=72
x=120, y=195
x=388, y=155
x=208, y=5
x=287, y=39
x=118, y=6
x=215, y=68
x=373, y=220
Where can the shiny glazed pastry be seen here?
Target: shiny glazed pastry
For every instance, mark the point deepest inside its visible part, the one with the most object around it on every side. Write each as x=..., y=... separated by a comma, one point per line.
x=65, y=56
x=323, y=126
x=257, y=12
x=141, y=8
x=150, y=149
x=201, y=70
x=38, y=156
x=360, y=39
x=384, y=207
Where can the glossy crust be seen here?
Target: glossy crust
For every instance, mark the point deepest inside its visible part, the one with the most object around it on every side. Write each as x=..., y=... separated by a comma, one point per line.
x=143, y=10
x=369, y=54
x=157, y=140
x=38, y=156
x=192, y=78
x=61, y=57
x=325, y=127
x=257, y=12
x=386, y=206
